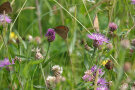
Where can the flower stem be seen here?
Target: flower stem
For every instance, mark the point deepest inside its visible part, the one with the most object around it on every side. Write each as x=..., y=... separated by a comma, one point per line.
x=96, y=79
x=47, y=51
x=42, y=73
x=4, y=41
x=44, y=62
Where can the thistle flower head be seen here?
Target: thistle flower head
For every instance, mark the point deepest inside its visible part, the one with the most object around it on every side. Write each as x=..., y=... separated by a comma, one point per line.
x=6, y=62
x=101, y=82
x=99, y=39
x=5, y=18
x=133, y=42
x=112, y=26
x=133, y=1
x=94, y=70
x=90, y=76
x=102, y=88
x=50, y=35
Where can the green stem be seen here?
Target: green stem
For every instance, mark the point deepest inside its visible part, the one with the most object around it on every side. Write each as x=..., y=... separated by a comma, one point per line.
x=44, y=62
x=47, y=52
x=42, y=73
x=94, y=52
x=96, y=79
x=4, y=41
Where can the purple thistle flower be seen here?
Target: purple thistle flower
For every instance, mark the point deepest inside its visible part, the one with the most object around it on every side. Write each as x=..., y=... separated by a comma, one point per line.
x=102, y=88
x=94, y=70
x=133, y=1
x=101, y=82
x=98, y=39
x=50, y=35
x=5, y=18
x=6, y=62
x=88, y=76
x=112, y=26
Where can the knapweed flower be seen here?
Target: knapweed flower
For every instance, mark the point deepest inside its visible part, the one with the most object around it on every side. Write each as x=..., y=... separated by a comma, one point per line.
x=99, y=39
x=94, y=70
x=101, y=82
x=102, y=88
x=133, y=42
x=90, y=76
x=50, y=35
x=5, y=18
x=112, y=26
x=133, y=1
x=57, y=70
x=6, y=62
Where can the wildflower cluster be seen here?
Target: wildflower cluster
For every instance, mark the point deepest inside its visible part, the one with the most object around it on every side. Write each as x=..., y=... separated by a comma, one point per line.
x=4, y=19
x=90, y=76
x=99, y=39
x=6, y=62
x=57, y=77
x=50, y=35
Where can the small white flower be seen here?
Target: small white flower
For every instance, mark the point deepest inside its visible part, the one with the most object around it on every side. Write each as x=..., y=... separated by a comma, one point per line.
x=51, y=79
x=57, y=68
x=72, y=9
x=124, y=86
x=92, y=1
x=30, y=38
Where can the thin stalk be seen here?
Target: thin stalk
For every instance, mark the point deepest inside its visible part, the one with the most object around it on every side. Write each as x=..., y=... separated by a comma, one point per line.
x=96, y=79
x=72, y=68
x=39, y=18
x=18, y=15
x=47, y=51
x=43, y=73
x=88, y=14
x=44, y=61
x=4, y=41
x=72, y=16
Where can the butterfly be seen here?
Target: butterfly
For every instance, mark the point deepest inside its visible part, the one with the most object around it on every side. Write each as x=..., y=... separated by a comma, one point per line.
x=5, y=7
x=62, y=31
x=96, y=23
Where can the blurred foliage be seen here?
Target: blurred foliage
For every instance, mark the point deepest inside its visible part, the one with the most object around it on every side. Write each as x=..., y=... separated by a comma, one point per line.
x=27, y=74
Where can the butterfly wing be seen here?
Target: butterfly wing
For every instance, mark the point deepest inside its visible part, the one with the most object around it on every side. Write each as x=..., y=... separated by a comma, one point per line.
x=96, y=23
x=62, y=31
x=6, y=7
